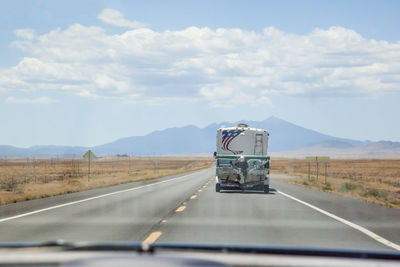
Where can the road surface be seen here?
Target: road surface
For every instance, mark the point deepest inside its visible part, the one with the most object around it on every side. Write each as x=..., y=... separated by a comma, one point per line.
x=186, y=208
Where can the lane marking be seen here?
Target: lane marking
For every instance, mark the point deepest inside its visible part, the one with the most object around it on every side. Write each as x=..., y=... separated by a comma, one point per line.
x=193, y=196
x=152, y=237
x=180, y=209
x=89, y=199
x=164, y=221
x=199, y=190
x=348, y=223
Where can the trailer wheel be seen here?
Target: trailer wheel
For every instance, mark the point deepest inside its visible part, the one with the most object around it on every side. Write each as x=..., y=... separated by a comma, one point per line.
x=217, y=187
x=266, y=189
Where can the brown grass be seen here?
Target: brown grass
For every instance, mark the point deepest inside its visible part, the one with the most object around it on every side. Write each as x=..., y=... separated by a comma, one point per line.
x=373, y=180
x=25, y=179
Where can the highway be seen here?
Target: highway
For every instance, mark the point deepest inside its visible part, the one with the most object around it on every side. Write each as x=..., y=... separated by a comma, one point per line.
x=186, y=208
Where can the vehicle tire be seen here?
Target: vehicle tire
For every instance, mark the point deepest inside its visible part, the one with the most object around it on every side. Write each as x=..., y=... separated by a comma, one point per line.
x=266, y=189
x=259, y=187
x=217, y=187
x=242, y=188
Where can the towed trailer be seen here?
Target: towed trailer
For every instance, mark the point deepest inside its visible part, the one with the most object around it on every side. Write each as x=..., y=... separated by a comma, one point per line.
x=241, y=159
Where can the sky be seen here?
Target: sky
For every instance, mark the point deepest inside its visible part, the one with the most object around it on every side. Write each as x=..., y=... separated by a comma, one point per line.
x=85, y=73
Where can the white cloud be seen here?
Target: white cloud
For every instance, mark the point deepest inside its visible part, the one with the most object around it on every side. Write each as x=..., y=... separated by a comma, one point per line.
x=116, y=18
x=38, y=100
x=25, y=33
x=223, y=67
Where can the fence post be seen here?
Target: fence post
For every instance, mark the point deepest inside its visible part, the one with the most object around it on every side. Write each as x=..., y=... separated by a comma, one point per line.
x=326, y=167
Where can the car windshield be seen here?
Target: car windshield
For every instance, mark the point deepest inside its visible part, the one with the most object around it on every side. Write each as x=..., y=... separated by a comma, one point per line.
x=247, y=123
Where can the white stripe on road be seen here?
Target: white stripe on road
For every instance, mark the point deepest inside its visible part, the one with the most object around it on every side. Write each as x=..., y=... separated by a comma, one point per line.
x=353, y=225
x=90, y=198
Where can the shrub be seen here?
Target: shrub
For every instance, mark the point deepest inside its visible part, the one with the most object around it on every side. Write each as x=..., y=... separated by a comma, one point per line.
x=327, y=187
x=375, y=193
x=348, y=186
x=9, y=185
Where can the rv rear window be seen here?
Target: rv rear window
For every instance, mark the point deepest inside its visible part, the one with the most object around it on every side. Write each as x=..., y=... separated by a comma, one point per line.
x=224, y=162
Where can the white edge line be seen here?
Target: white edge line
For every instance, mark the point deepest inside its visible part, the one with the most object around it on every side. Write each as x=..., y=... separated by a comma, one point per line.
x=88, y=199
x=353, y=225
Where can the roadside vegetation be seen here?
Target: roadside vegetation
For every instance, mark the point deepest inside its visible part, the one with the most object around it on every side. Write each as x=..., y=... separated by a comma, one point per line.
x=372, y=180
x=26, y=179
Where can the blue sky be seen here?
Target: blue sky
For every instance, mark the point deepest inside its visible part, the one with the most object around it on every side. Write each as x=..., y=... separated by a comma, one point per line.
x=89, y=72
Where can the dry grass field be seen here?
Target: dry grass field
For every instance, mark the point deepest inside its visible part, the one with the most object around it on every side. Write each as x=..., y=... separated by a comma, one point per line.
x=25, y=179
x=372, y=180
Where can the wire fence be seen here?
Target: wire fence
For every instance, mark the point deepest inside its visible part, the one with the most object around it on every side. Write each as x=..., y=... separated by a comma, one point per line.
x=378, y=170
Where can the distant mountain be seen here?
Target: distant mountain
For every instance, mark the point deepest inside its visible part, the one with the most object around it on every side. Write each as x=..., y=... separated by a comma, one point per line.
x=42, y=151
x=288, y=136
x=285, y=137
x=382, y=145
x=194, y=140
x=381, y=149
x=12, y=151
x=332, y=144
x=172, y=141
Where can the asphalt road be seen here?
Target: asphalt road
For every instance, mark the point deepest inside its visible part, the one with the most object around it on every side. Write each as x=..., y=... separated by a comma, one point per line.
x=186, y=208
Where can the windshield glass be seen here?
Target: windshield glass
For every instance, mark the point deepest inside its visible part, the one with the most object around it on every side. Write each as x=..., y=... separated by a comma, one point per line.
x=268, y=123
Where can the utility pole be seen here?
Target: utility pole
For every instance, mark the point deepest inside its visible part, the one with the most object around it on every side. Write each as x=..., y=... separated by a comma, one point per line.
x=129, y=162
x=88, y=175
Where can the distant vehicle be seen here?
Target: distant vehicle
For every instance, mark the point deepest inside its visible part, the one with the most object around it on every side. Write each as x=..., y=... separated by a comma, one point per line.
x=242, y=161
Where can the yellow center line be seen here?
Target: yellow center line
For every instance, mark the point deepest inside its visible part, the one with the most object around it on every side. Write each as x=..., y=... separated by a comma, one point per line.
x=152, y=237
x=199, y=190
x=181, y=208
x=193, y=197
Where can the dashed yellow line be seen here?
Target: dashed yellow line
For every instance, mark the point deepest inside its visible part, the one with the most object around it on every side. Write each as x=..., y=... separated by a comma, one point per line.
x=152, y=237
x=181, y=208
x=193, y=196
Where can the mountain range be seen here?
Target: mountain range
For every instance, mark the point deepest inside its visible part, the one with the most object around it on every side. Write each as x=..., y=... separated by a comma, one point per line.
x=286, y=139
